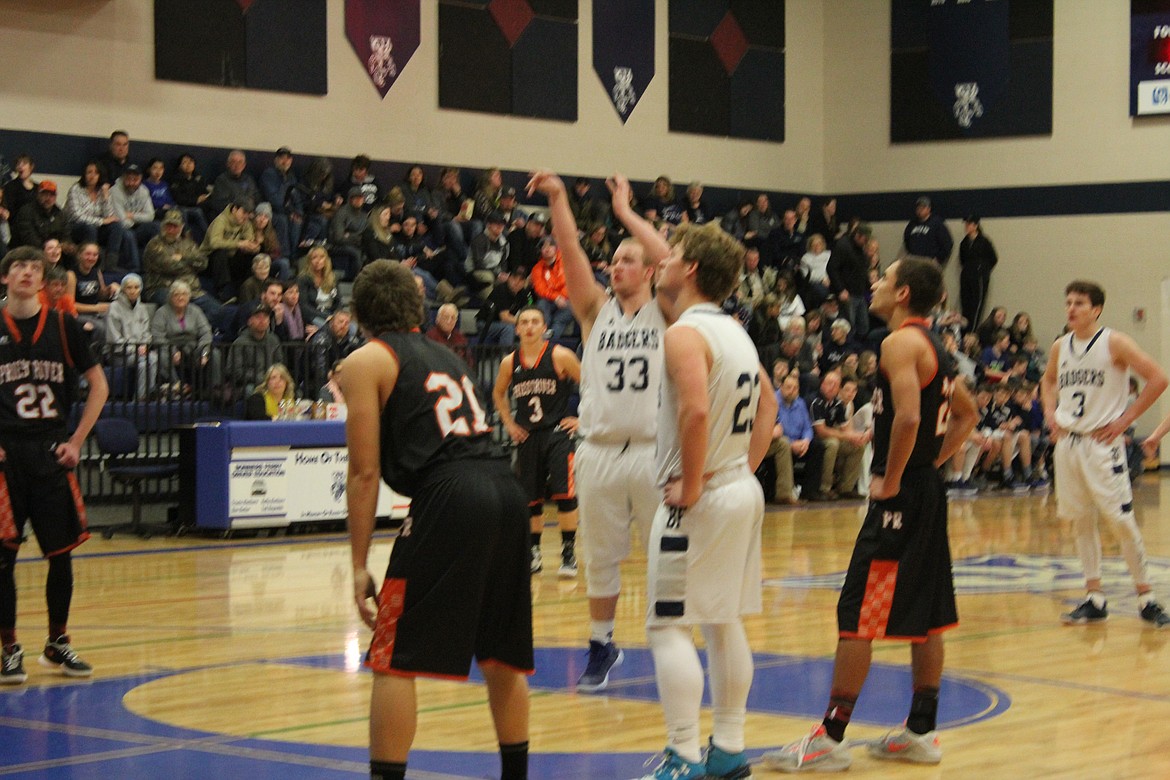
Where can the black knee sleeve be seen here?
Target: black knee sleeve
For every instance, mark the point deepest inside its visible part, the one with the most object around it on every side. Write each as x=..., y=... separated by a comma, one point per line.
x=566, y=504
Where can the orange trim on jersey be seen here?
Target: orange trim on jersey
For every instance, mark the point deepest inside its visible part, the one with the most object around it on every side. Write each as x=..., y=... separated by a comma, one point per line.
x=520, y=356
x=517, y=669
x=924, y=323
x=879, y=597
x=9, y=534
x=64, y=340
x=14, y=331
x=389, y=349
x=78, y=501
x=80, y=541
x=391, y=603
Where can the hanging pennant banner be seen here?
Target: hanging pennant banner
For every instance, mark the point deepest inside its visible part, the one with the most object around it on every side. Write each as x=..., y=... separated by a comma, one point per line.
x=244, y=4
x=623, y=50
x=384, y=34
x=970, y=57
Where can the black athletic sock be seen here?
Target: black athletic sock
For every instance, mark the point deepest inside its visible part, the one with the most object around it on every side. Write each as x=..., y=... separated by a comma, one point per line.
x=514, y=761
x=387, y=770
x=923, y=710
x=59, y=593
x=7, y=596
x=534, y=539
x=568, y=540
x=838, y=714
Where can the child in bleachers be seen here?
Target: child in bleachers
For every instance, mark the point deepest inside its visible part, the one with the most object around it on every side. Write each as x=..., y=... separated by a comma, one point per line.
x=252, y=286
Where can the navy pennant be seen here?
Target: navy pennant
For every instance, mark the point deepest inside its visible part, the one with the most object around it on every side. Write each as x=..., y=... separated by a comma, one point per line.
x=623, y=50
x=384, y=34
x=969, y=62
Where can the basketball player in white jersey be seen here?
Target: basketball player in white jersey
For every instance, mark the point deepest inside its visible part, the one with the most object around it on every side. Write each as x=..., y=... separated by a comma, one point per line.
x=1085, y=390
x=621, y=368
x=704, y=552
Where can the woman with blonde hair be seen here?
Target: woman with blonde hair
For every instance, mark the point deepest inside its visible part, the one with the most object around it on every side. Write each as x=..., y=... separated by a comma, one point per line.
x=318, y=283
x=377, y=239
x=264, y=402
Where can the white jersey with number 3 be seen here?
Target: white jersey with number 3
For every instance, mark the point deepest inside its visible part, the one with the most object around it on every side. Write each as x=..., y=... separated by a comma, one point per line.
x=1093, y=391
x=733, y=392
x=621, y=369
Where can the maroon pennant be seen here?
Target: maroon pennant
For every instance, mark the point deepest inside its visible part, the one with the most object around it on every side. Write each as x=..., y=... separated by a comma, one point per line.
x=385, y=35
x=245, y=4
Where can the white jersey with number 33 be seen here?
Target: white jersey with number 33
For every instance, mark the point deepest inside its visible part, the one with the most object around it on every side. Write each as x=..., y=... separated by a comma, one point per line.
x=733, y=392
x=1093, y=391
x=621, y=369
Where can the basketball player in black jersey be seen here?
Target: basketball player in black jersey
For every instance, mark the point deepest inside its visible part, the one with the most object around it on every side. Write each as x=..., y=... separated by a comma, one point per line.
x=42, y=354
x=899, y=581
x=457, y=586
x=538, y=374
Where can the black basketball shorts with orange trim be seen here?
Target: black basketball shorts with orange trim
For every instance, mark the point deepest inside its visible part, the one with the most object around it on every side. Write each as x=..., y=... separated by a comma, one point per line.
x=899, y=583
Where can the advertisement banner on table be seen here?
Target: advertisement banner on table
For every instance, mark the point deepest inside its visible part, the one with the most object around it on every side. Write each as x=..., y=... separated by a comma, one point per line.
x=295, y=484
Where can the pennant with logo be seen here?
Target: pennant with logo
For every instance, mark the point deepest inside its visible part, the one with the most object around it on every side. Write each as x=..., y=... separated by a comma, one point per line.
x=385, y=35
x=623, y=50
x=970, y=57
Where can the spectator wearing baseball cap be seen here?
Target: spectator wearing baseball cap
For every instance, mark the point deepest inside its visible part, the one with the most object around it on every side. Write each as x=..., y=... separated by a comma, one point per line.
x=977, y=257
x=926, y=235
x=278, y=187
x=345, y=234
x=41, y=219
x=489, y=255
x=254, y=350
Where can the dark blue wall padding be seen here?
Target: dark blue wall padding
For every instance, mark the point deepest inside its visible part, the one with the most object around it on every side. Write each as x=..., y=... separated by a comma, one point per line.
x=475, y=62
x=286, y=48
x=700, y=96
x=200, y=41
x=757, y=96
x=544, y=71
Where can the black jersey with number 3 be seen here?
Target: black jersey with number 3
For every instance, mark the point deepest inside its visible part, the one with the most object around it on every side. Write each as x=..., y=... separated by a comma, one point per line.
x=40, y=360
x=542, y=397
x=934, y=401
x=433, y=416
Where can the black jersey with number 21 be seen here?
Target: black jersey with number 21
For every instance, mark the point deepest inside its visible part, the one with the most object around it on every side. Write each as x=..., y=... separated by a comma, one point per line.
x=433, y=416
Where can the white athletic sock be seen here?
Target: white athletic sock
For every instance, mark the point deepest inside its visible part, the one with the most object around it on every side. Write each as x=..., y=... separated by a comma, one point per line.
x=1132, y=547
x=729, y=661
x=1098, y=598
x=1145, y=598
x=601, y=631
x=680, y=687
x=1088, y=545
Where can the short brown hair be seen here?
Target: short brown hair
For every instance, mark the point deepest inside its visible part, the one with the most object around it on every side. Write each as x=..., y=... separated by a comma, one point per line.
x=385, y=298
x=718, y=255
x=1091, y=289
x=22, y=254
x=924, y=278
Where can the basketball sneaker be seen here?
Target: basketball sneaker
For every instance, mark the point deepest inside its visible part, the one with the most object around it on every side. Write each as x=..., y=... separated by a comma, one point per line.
x=815, y=752
x=675, y=767
x=568, y=568
x=12, y=668
x=59, y=655
x=1087, y=612
x=1153, y=614
x=537, y=565
x=905, y=745
x=724, y=765
x=603, y=658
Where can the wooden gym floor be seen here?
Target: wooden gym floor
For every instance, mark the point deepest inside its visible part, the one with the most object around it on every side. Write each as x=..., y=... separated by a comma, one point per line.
x=242, y=659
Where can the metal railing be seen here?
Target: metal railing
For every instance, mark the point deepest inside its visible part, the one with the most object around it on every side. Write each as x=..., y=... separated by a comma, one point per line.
x=160, y=389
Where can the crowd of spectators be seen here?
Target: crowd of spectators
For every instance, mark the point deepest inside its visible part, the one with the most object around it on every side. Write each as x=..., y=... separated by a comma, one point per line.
x=263, y=261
